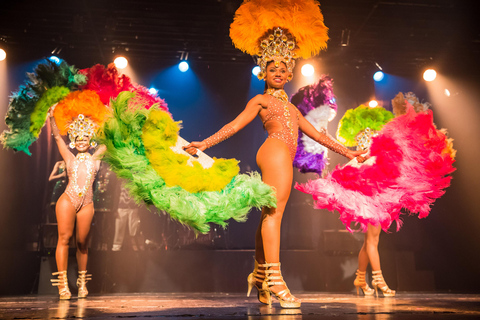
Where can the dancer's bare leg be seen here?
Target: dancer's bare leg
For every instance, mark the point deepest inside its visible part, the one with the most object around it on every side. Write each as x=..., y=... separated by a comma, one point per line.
x=65, y=213
x=277, y=171
x=84, y=222
x=371, y=246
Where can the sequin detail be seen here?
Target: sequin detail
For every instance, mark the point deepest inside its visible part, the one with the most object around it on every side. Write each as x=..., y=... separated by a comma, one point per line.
x=223, y=134
x=279, y=110
x=81, y=196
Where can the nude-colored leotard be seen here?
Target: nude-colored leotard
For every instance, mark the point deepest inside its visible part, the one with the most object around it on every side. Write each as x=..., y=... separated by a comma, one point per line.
x=286, y=114
x=81, y=174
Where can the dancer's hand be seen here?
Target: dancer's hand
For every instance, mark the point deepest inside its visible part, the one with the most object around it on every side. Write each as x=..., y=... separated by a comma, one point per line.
x=357, y=154
x=50, y=111
x=192, y=147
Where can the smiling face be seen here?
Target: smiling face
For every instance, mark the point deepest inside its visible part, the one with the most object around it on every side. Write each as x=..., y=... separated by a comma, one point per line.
x=276, y=77
x=82, y=143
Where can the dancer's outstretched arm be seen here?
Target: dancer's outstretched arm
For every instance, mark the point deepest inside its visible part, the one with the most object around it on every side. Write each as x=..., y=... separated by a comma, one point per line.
x=245, y=117
x=66, y=154
x=324, y=139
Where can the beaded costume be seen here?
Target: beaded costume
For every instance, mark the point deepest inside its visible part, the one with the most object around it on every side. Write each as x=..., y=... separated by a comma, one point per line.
x=281, y=111
x=81, y=174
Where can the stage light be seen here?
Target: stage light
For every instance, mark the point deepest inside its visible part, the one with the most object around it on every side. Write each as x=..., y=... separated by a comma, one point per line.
x=256, y=70
x=153, y=91
x=54, y=59
x=183, y=66
x=378, y=76
x=3, y=55
x=308, y=70
x=121, y=62
x=429, y=75
x=373, y=103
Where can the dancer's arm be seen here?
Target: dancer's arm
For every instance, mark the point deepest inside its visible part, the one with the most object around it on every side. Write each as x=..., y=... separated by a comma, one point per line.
x=62, y=146
x=245, y=117
x=54, y=176
x=326, y=140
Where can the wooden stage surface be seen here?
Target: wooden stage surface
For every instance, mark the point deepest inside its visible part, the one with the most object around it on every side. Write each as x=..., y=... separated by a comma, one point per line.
x=173, y=306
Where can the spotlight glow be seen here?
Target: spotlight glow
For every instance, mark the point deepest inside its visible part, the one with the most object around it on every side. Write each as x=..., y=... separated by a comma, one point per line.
x=153, y=91
x=378, y=76
x=373, y=104
x=429, y=75
x=121, y=62
x=54, y=59
x=256, y=70
x=447, y=93
x=183, y=66
x=3, y=55
x=308, y=70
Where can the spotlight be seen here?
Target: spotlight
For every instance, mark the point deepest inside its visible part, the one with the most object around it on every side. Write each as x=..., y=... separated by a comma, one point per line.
x=308, y=70
x=121, y=62
x=429, y=75
x=54, y=59
x=153, y=91
x=3, y=55
x=378, y=76
x=373, y=103
x=256, y=70
x=183, y=66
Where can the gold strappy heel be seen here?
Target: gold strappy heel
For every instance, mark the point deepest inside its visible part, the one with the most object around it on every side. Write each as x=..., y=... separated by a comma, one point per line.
x=360, y=283
x=273, y=277
x=82, y=279
x=257, y=276
x=62, y=283
x=379, y=283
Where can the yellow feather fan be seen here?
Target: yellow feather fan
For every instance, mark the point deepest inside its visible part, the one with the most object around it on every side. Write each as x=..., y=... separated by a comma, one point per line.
x=302, y=18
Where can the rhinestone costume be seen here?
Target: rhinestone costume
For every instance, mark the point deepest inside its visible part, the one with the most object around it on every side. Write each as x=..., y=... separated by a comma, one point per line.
x=81, y=169
x=285, y=113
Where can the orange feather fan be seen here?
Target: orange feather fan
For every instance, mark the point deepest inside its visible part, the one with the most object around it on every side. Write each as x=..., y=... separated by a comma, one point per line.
x=86, y=102
x=302, y=18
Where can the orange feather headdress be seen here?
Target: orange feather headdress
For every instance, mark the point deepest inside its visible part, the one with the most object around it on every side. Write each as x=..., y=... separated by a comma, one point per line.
x=280, y=31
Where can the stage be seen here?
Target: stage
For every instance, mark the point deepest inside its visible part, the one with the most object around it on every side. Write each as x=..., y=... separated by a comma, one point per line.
x=237, y=306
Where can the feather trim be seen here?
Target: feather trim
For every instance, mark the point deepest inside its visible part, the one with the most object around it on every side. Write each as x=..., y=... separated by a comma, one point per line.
x=302, y=18
x=123, y=136
x=358, y=119
x=84, y=102
x=410, y=167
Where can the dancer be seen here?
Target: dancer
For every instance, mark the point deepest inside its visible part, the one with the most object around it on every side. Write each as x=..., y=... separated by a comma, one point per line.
x=74, y=208
x=58, y=172
x=281, y=120
x=409, y=167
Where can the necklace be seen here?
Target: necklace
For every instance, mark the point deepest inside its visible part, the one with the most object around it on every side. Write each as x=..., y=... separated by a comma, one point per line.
x=280, y=94
x=82, y=157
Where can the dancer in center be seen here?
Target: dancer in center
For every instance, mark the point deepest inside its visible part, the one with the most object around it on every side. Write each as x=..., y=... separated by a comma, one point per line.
x=281, y=120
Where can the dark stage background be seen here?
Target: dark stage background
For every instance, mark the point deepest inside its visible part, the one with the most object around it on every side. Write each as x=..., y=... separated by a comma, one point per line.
x=438, y=253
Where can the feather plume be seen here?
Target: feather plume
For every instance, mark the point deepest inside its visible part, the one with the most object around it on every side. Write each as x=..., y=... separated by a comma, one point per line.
x=84, y=102
x=302, y=18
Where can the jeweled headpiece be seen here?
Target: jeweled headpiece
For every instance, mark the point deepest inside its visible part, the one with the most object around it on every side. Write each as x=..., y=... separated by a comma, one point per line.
x=279, y=31
x=81, y=126
x=278, y=47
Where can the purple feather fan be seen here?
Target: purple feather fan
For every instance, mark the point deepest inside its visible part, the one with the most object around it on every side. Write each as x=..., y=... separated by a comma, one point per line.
x=307, y=99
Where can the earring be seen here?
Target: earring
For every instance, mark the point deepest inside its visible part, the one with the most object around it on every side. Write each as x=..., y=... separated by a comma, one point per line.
x=72, y=145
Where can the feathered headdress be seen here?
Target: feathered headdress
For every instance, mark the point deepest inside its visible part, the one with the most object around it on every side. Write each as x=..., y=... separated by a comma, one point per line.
x=279, y=31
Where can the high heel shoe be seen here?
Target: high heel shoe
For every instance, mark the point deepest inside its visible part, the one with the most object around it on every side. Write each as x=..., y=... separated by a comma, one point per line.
x=82, y=279
x=257, y=276
x=379, y=283
x=273, y=277
x=62, y=283
x=360, y=283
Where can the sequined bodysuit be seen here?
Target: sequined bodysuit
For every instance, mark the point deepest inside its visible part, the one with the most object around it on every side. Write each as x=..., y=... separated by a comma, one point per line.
x=81, y=173
x=281, y=111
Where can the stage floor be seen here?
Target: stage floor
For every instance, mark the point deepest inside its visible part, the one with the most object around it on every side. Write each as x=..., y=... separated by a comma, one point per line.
x=236, y=306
